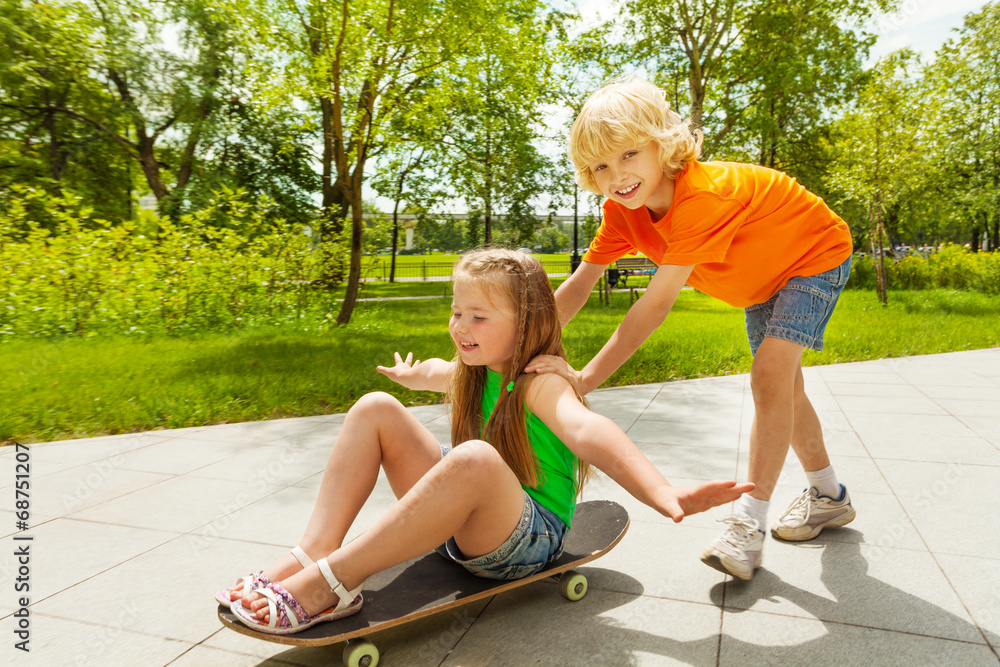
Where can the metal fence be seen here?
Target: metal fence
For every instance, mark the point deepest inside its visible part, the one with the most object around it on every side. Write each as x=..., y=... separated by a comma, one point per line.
x=437, y=270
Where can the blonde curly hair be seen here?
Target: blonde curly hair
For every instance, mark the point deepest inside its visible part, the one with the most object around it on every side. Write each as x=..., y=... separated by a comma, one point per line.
x=624, y=113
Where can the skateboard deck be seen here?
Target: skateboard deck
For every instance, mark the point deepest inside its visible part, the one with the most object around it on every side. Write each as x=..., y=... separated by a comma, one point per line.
x=431, y=584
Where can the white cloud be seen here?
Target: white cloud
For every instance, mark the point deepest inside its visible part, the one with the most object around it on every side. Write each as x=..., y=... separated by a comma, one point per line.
x=923, y=25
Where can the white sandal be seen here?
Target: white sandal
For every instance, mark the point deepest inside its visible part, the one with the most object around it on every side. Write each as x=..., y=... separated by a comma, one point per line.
x=287, y=616
x=256, y=580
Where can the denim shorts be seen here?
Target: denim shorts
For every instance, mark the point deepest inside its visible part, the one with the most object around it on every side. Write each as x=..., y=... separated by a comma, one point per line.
x=536, y=541
x=799, y=311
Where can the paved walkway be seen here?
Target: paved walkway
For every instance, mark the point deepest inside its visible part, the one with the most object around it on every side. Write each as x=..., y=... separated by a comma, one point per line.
x=132, y=535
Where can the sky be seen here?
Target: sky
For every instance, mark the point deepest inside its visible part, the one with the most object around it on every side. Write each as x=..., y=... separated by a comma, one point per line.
x=923, y=25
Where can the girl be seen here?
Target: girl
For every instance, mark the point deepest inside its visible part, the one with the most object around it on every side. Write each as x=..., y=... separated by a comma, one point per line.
x=502, y=500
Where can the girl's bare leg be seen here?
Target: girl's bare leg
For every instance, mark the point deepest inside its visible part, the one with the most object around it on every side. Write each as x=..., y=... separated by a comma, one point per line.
x=377, y=432
x=471, y=494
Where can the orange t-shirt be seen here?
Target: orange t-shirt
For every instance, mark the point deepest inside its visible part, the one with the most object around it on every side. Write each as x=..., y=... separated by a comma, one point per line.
x=747, y=229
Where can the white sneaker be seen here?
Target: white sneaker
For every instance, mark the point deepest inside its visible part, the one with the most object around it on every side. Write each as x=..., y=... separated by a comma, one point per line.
x=810, y=513
x=740, y=549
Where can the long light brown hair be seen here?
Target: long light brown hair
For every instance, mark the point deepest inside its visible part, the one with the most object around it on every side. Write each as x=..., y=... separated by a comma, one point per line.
x=518, y=280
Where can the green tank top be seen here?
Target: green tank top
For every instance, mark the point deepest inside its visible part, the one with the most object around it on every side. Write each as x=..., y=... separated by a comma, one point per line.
x=557, y=464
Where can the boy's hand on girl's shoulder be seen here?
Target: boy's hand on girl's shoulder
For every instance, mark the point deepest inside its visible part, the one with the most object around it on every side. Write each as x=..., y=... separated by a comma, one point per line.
x=685, y=500
x=549, y=363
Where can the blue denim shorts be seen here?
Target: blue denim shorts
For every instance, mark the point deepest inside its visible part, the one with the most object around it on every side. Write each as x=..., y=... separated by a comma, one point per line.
x=536, y=541
x=799, y=311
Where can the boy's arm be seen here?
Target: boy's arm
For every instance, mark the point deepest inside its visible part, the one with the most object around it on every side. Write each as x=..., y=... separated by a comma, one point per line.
x=429, y=375
x=642, y=319
x=573, y=293
x=597, y=440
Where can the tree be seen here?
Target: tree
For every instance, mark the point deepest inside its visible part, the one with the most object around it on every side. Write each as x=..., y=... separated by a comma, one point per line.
x=551, y=239
x=154, y=90
x=359, y=64
x=447, y=235
x=724, y=49
x=45, y=63
x=263, y=152
x=493, y=134
x=410, y=171
x=778, y=116
x=965, y=78
x=881, y=157
x=115, y=97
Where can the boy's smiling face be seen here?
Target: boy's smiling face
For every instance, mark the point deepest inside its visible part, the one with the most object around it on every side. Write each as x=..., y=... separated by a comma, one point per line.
x=633, y=177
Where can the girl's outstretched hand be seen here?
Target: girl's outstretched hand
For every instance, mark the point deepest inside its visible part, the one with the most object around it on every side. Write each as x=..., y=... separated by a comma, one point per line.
x=681, y=501
x=403, y=372
x=549, y=363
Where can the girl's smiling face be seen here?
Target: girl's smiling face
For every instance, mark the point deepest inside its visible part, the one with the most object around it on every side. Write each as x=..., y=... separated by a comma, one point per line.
x=484, y=331
x=633, y=177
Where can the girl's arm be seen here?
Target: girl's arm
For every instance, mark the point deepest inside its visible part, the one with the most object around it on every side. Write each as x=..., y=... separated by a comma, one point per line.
x=639, y=323
x=601, y=443
x=429, y=375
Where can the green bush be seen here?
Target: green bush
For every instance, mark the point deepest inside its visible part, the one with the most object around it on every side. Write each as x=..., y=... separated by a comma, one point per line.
x=951, y=267
x=91, y=277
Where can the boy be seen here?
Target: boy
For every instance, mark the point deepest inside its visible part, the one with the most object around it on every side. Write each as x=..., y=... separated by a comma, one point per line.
x=750, y=236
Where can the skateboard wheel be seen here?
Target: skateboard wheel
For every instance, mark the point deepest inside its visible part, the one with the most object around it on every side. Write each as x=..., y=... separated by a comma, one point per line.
x=572, y=585
x=360, y=654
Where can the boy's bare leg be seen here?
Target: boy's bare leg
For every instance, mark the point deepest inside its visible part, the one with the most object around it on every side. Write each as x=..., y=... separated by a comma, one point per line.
x=377, y=432
x=778, y=393
x=774, y=377
x=471, y=495
x=807, y=432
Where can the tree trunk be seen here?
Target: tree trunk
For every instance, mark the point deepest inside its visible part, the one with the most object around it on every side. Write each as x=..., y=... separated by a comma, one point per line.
x=883, y=277
x=150, y=167
x=57, y=156
x=205, y=108
x=878, y=253
x=488, y=196
x=354, y=273
x=697, y=90
x=333, y=198
x=335, y=204
x=395, y=235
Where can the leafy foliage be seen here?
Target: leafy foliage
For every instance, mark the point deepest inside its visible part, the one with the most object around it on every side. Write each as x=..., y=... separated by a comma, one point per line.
x=93, y=278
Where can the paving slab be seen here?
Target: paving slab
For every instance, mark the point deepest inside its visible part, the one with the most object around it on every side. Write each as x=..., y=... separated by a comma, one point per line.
x=140, y=530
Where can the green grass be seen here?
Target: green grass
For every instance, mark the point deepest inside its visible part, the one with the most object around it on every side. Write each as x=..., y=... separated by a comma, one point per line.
x=72, y=387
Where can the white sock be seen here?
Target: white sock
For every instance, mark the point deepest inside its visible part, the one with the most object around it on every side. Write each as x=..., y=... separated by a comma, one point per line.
x=753, y=508
x=825, y=481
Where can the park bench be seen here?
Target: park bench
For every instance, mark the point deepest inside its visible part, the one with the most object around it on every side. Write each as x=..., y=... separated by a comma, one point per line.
x=629, y=266
x=636, y=264
x=625, y=267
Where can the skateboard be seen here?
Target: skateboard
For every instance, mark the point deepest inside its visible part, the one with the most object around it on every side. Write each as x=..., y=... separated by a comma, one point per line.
x=431, y=584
